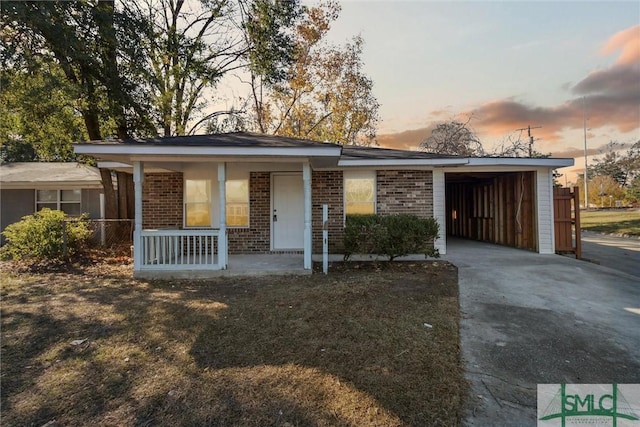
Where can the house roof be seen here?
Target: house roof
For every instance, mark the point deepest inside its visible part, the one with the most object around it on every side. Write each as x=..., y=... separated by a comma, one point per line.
x=353, y=152
x=364, y=156
x=228, y=145
x=233, y=139
x=245, y=146
x=24, y=175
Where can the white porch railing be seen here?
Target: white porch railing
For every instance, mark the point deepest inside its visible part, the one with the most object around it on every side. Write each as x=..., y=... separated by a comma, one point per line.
x=180, y=250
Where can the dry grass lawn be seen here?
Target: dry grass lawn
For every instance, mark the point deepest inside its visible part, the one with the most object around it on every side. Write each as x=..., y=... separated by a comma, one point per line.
x=611, y=221
x=348, y=349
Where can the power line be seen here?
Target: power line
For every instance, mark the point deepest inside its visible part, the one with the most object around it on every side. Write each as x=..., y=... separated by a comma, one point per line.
x=528, y=129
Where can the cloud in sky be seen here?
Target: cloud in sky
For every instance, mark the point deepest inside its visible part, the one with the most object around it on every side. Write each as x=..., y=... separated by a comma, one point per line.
x=407, y=140
x=611, y=96
x=574, y=152
x=628, y=41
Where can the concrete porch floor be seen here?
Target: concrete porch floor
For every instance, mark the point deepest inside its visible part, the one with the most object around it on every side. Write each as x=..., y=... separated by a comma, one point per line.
x=238, y=265
x=265, y=264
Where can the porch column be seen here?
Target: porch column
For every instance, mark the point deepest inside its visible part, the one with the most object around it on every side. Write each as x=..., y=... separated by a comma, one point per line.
x=138, y=179
x=439, y=209
x=222, y=201
x=306, y=181
x=544, y=206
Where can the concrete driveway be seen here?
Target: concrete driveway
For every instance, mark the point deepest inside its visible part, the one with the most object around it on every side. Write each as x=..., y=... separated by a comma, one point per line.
x=531, y=319
x=619, y=253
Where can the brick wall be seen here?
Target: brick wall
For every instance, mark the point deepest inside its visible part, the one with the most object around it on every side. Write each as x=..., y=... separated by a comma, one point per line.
x=326, y=188
x=256, y=238
x=398, y=191
x=162, y=200
x=405, y=191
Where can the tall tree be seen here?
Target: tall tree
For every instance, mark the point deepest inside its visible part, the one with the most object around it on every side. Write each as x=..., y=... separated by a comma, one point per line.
x=268, y=62
x=620, y=165
x=600, y=188
x=453, y=138
x=81, y=38
x=189, y=47
x=632, y=192
x=323, y=93
x=38, y=109
x=142, y=66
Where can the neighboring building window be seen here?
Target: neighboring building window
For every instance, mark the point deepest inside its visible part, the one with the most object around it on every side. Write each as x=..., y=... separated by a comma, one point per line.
x=237, y=192
x=197, y=205
x=359, y=193
x=67, y=201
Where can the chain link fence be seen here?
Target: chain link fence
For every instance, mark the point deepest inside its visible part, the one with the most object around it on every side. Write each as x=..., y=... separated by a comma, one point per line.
x=115, y=235
x=111, y=232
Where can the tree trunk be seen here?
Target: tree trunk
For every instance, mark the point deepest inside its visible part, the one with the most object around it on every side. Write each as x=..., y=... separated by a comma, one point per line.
x=131, y=198
x=126, y=195
x=122, y=194
x=110, y=202
x=112, y=79
x=92, y=124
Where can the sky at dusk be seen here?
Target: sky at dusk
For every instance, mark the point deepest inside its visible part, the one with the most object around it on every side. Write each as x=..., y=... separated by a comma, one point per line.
x=508, y=65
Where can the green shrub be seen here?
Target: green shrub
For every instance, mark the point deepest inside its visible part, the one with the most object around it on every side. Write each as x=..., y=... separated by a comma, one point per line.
x=390, y=235
x=404, y=234
x=359, y=234
x=47, y=234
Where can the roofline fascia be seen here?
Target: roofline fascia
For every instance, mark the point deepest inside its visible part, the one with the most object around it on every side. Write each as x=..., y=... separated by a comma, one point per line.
x=113, y=165
x=520, y=161
x=51, y=185
x=404, y=162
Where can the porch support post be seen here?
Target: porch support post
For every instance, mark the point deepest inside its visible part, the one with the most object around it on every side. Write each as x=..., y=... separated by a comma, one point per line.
x=138, y=179
x=306, y=180
x=439, y=213
x=222, y=201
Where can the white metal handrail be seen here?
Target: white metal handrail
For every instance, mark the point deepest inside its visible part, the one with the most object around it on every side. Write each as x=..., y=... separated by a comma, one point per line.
x=179, y=249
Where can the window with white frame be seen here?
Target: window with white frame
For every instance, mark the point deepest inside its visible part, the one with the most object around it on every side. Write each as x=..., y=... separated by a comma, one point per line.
x=197, y=203
x=67, y=201
x=237, y=197
x=359, y=192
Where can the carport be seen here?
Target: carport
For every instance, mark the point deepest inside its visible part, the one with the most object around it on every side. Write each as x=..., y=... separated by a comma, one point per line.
x=493, y=207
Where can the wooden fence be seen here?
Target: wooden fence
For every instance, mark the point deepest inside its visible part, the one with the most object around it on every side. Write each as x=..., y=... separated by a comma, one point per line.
x=566, y=214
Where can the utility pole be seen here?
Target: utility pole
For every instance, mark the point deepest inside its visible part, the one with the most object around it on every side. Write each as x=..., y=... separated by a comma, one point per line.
x=528, y=129
x=584, y=125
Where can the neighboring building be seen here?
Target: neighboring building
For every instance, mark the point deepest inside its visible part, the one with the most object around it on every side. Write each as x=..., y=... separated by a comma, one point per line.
x=28, y=187
x=202, y=198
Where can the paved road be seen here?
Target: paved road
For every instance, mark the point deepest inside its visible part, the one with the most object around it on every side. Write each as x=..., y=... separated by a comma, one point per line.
x=619, y=253
x=529, y=319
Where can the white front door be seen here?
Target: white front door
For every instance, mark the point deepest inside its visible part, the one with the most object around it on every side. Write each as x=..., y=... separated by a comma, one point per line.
x=287, y=216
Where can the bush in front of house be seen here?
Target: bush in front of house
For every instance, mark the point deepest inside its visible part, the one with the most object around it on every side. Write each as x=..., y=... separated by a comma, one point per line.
x=404, y=234
x=390, y=235
x=47, y=234
x=359, y=233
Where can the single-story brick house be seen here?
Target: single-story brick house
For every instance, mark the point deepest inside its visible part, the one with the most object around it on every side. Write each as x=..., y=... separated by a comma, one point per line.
x=27, y=187
x=200, y=199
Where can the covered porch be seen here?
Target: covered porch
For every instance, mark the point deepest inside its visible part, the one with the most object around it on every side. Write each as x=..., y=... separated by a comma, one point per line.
x=179, y=232
x=182, y=252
